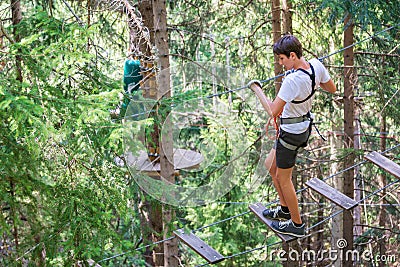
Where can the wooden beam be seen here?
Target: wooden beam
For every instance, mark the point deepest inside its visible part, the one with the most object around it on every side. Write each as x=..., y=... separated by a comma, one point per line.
x=258, y=209
x=198, y=245
x=384, y=163
x=331, y=193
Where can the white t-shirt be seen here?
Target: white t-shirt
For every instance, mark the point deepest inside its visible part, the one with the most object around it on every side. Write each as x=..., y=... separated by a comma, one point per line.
x=297, y=86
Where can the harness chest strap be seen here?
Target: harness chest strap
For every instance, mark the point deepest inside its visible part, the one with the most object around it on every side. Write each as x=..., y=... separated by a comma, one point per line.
x=313, y=84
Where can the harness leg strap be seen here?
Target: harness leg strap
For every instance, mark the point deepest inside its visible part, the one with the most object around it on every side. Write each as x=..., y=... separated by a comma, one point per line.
x=289, y=146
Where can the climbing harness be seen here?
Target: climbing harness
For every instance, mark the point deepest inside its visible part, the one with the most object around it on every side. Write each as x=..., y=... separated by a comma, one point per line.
x=306, y=117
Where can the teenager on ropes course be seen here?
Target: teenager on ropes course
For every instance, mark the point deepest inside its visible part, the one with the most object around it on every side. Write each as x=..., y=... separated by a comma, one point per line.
x=292, y=108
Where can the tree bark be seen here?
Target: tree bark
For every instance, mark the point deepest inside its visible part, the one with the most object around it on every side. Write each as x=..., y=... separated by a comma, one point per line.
x=13, y=213
x=88, y=6
x=138, y=42
x=276, y=34
x=151, y=212
x=337, y=182
x=287, y=16
x=349, y=84
x=2, y=63
x=166, y=142
x=357, y=181
x=151, y=226
x=382, y=184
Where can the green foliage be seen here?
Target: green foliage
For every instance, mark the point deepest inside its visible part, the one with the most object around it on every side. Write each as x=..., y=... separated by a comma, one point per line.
x=62, y=190
x=60, y=187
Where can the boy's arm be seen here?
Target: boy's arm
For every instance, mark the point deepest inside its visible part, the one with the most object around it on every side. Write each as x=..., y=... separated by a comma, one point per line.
x=328, y=86
x=273, y=108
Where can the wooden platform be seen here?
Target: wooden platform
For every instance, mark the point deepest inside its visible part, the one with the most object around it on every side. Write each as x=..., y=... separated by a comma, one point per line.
x=198, y=245
x=258, y=209
x=384, y=163
x=331, y=193
x=183, y=159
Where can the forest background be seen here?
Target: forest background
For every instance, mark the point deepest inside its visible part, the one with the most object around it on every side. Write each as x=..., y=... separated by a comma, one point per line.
x=65, y=202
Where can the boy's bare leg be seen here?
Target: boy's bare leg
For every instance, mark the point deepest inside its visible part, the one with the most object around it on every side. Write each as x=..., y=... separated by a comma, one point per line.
x=284, y=179
x=270, y=164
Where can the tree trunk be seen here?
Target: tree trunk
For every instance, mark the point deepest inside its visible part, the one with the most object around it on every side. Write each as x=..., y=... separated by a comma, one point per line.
x=228, y=67
x=337, y=182
x=213, y=72
x=382, y=184
x=150, y=211
x=138, y=44
x=276, y=33
x=166, y=142
x=2, y=63
x=357, y=182
x=151, y=225
x=349, y=83
x=287, y=16
x=88, y=7
x=13, y=213
x=16, y=19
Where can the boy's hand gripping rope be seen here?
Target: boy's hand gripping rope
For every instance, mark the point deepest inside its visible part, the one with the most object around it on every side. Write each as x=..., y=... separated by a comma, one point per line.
x=256, y=84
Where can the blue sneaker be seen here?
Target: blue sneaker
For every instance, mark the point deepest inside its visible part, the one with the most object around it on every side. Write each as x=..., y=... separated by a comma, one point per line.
x=288, y=228
x=276, y=214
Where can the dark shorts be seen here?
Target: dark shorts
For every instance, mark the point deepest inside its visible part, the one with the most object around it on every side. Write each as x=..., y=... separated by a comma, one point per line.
x=286, y=158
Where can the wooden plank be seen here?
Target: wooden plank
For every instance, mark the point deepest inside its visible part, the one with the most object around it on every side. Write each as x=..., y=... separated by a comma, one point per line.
x=198, y=245
x=258, y=209
x=384, y=163
x=331, y=193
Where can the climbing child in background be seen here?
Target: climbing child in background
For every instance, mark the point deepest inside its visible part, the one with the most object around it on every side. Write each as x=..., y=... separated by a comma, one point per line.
x=292, y=106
